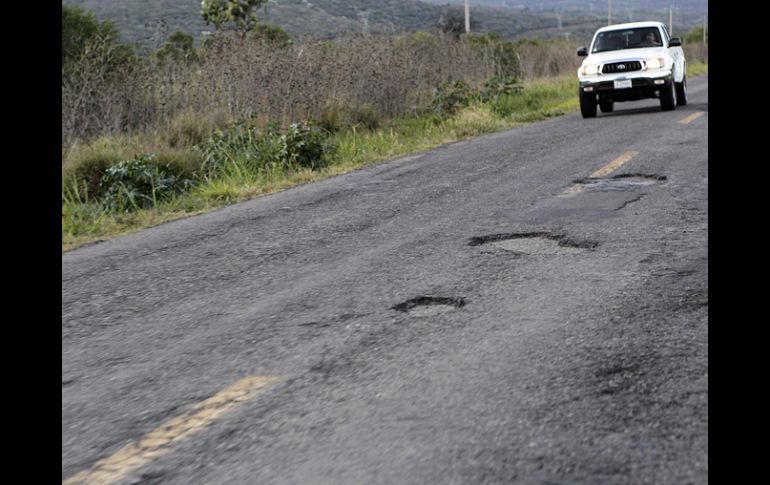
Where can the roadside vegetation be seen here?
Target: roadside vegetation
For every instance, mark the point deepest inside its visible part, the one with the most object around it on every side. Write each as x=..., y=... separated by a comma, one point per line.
x=147, y=139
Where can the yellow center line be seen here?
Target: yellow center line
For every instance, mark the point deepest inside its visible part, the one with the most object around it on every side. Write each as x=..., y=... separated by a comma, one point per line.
x=602, y=172
x=159, y=441
x=692, y=117
x=575, y=189
x=613, y=165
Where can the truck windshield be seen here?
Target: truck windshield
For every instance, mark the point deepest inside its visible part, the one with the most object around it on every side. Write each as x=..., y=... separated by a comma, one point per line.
x=613, y=40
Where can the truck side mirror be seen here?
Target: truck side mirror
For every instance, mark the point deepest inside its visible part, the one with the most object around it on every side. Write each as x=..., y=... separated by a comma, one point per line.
x=675, y=42
x=582, y=52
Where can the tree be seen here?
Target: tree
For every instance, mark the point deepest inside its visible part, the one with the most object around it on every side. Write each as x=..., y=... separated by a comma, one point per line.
x=178, y=47
x=215, y=12
x=243, y=13
x=80, y=29
x=271, y=34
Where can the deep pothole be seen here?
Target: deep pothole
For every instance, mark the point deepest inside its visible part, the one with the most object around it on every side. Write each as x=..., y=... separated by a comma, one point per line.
x=625, y=181
x=535, y=243
x=425, y=306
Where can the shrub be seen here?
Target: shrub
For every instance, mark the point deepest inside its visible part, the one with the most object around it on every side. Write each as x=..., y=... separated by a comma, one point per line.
x=336, y=115
x=395, y=76
x=189, y=128
x=500, y=53
x=451, y=95
x=333, y=117
x=304, y=145
x=244, y=147
x=496, y=86
x=511, y=105
x=89, y=163
x=139, y=183
x=182, y=163
x=365, y=115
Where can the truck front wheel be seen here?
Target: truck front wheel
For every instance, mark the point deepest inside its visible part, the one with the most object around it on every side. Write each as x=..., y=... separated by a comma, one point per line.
x=681, y=92
x=587, y=104
x=668, y=96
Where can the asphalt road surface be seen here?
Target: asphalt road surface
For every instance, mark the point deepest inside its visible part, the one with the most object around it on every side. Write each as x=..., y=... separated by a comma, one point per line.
x=467, y=315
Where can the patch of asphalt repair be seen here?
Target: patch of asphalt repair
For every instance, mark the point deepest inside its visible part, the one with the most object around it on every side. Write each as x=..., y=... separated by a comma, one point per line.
x=534, y=243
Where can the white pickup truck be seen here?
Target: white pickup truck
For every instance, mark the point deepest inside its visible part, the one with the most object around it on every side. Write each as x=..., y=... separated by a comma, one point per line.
x=628, y=62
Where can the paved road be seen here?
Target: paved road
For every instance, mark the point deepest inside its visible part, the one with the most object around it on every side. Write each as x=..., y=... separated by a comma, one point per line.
x=566, y=342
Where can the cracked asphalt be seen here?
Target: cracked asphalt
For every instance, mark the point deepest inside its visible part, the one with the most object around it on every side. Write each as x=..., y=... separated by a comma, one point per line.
x=573, y=367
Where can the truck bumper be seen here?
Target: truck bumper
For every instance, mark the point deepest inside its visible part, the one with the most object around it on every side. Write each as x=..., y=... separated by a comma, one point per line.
x=641, y=88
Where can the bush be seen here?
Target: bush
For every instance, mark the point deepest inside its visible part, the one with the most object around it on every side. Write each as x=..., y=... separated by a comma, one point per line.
x=90, y=163
x=451, y=95
x=336, y=116
x=244, y=147
x=182, y=163
x=239, y=146
x=304, y=145
x=365, y=115
x=188, y=128
x=512, y=105
x=139, y=183
x=333, y=117
x=502, y=54
x=496, y=86
x=250, y=77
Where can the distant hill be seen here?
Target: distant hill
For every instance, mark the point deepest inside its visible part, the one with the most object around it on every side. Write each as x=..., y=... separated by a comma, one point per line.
x=588, y=5
x=149, y=22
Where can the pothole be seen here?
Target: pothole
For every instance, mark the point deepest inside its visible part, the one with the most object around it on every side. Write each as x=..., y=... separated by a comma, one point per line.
x=624, y=181
x=425, y=306
x=534, y=243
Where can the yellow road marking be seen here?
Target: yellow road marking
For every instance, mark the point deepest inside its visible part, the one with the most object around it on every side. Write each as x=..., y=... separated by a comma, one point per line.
x=692, y=117
x=602, y=172
x=159, y=441
x=575, y=189
x=613, y=165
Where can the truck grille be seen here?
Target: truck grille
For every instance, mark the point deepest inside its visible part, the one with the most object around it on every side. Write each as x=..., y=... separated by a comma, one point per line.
x=616, y=67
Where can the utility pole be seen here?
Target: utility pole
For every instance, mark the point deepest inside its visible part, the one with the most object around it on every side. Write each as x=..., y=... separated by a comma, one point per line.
x=467, y=17
x=704, y=29
x=609, y=12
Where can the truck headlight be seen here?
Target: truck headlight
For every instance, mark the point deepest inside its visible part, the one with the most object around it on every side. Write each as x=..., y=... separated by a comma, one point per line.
x=655, y=63
x=589, y=70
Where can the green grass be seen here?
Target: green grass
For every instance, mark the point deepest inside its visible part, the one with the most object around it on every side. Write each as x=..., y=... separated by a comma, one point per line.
x=84, y=220
x=697, y=68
